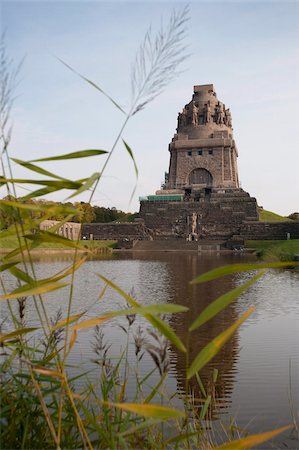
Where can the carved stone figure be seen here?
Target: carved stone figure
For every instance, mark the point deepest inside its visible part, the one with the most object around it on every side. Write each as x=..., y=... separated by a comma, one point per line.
x=179, y=121
x=193, y=223
x=219, y=114
x=194, y=114
x=228, y=118
x=182, y=118
x=207, y=113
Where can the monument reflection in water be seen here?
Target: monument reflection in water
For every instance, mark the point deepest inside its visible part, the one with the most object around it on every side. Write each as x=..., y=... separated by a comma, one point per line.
x=183, y=268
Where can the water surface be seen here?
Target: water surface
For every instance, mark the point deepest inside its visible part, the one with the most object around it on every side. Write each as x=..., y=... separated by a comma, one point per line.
x=258, y=378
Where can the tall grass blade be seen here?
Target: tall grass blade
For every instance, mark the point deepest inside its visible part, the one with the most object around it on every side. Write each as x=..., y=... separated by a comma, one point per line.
x=87, y=185
x=180, y=437
x=156, y=389
x=167, y=331
x=36, y=169
x=130, y=151
x=253, y=440
x=157, y=323
x=130, y=300
x=29, y=289
x=21, y=275
x=68, y=321
x=92, y=84
x=50, y=209
x=48, y=372
x=7, y=266
x=153, y=411
x=213, y=347
x=205, y=407
x=41, y=192
x=58, y=184
x=147, y=424
x=222, y=302
x=64, y=273
x=18, y=332
x=236, y=268
x=73, y=155
x=45, y=236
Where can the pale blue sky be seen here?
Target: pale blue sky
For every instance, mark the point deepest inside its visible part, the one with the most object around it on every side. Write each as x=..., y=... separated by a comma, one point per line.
x=249, y=50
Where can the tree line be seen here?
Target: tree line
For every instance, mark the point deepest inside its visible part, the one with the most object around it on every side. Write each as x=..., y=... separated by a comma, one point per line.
x=86, y=213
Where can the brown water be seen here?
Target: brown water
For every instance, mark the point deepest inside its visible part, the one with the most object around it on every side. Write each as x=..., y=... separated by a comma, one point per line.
x=257, y=367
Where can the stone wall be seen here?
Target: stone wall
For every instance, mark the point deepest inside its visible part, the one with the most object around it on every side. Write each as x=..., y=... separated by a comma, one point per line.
x=217, y=215
x=269, y=230
x=115, y=231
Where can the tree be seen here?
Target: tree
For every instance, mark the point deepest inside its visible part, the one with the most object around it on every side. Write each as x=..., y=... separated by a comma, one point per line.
x=86, y=213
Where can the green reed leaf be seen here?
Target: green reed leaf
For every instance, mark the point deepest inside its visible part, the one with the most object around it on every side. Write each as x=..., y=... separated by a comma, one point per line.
x=253, y=440
x=18, y=332
x=167, y=331
x=200, y=384
x=20, y=249
x=130, y=151
x=153, y=411
x=180, y=437
x=131, y=301
x=6, y=266
x=167, y=308
x=33, y=289
x=205, y=407
x=68, y=321
x=36, y=169
x=142, y=310
x=59, y=184
x=73, y=155
x=222, y=302
x=155, y=389
x=92, y=84
x=64, y=273
x=235, y=268
x=58, y=225
x=157, y=323
x=41, y=192
x=87, y=185
x=50, y=209
x=46, y=236
x=214, y=346
x=143, y=425
x=21, y=275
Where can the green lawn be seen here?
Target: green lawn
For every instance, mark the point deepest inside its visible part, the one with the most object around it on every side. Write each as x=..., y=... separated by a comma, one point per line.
x=268, y=216
x=275, y=250
x=11, y=242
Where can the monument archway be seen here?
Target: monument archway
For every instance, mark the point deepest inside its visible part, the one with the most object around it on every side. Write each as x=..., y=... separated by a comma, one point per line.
x=201, y=176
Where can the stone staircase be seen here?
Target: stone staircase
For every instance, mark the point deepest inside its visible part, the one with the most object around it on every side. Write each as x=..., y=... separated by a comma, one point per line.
x=179, y=245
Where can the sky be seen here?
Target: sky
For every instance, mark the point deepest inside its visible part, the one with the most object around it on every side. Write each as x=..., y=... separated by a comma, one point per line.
x=248, y=50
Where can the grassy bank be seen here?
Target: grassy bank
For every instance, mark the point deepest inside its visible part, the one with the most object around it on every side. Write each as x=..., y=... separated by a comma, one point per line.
x=269, y=216
x=12, y=242
x=275, y=250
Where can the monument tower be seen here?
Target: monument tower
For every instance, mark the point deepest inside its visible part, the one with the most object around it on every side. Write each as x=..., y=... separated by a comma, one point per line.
x=201, y=197
x=203, y=151
x=201, y=205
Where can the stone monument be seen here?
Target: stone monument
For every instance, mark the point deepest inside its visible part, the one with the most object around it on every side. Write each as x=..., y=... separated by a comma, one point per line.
x=201, y=204
x=201, y=197
x=203, y=152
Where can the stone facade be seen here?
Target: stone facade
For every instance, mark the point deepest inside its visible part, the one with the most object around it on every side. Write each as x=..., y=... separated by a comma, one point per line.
x=203, y=176
x=116, y=231
x=201, y=202
x=203, y=152
x=212, y=216
x=69, y=230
